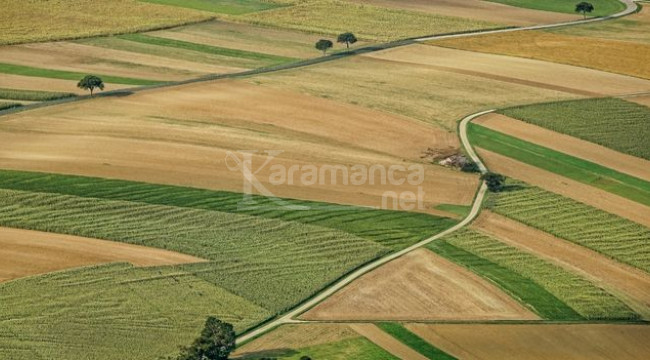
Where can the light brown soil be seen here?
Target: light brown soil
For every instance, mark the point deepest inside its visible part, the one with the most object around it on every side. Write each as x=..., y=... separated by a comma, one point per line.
x=8, y=81
x=517, y=70
x=387, y=342
x=540, y=341
x=25, y=253
x=182, y=136
x=564, y=186
x=643, y=100
x=295, y=336
x=567, y=144
x=69, y=56
x=629, y=284
x=476, y=10
x=419, y=286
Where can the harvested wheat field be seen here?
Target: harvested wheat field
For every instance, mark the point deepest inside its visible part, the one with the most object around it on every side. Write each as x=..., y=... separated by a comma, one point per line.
x=567, y=144
x=643, y=100
x=541, y=74
x=601, y=54
x=292, y=336
x=629, y=284
x=387, y=342
x=543, y=341
x=566, y=187
x=25, y=253
x=476, y=10
x=182, y=136
x=420, y=91
x=70, y=56
x=420, y=286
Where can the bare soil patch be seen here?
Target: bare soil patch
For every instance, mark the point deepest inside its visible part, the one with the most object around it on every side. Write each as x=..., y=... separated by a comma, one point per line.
x=570, y=188
x=567, y=144
x=25, y=253
x=540, y=341
x=419, y=286
x=530, y=72
x=477, y=10
x=628, y=283
x=387, y=342
x=643, y=100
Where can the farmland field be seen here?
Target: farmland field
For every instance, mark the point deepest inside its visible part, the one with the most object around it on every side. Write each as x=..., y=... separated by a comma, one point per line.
x=571, y=167
x=613, y=123
x=608, y=234
x=589, y=52
x=18, y=16
x=632, y=28
x=601, y=7
x=415, y=342
x=232, y=7
x=572, y=290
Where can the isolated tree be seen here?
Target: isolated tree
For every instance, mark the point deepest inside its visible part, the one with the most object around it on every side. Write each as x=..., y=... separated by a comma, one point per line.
x=347, y=38
x=91, y=82
x=584, y=8
x=216, y=342
x=495, y=182
x=323, y=45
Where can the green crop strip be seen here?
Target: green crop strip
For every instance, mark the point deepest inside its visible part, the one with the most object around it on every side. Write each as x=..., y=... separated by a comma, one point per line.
x=230, y=7
x=69, y=75
x=208, y=49
x=601, y=7
x=559, y=163
x=32, y=95
x=414, y=342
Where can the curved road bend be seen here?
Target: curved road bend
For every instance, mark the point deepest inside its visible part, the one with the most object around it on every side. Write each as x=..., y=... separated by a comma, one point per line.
x=630, y=7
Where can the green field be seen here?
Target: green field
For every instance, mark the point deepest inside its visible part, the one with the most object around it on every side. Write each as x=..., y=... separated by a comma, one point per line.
x=112, y=312
x=69, y=75
x=358, y=349
x=617, y=124
x=9, y=105
x=460, y=210
x=231, y=7
x=601, y=7
x=584, y=297
x=559, y=163
x=415, y=342
x=613, y=236
x=259, y=58
x=368, y=22
x=32, y=95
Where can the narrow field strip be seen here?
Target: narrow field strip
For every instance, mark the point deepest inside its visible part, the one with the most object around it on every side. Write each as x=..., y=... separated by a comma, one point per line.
x=582, y=224
x=32, y=95
x=587, y=299
x=587, y=172
x=393, y=229
x=413, y=341
x=230, y=7
x=601, y=7
x=265, y=59
x=614, y=123
x=69, y=75
x=386, y=342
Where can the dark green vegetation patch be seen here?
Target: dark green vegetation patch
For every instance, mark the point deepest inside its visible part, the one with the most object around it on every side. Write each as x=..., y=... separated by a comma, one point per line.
x=614, y=123
x=414, y=342
x=32, y=95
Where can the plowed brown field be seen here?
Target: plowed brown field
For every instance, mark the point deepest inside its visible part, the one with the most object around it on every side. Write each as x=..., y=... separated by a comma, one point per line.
x=419, y=286
x=25, y=253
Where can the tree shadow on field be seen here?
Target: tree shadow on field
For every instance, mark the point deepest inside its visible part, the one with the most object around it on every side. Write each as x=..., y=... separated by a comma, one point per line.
x=512, y=187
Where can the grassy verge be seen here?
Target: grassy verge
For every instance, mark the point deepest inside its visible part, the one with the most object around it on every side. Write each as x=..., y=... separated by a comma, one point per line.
x=414, y=342
x=613, y=236
x=460, y=210
x=559, y=163
x=357, y=348
x=614, y=123
x=601, y=7
x=230, y=7
x=392, y=229
x=69, y=75
x=264, y=59
x=518, y=286
x=9, y=105
x=32, y=95
x=587, y=299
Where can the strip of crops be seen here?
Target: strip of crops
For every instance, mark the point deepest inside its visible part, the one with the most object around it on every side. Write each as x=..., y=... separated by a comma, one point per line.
x=112, y=312
x=232, y=7
x=574, y=168
x=393, y=229
x=273, y=263
x=414, y=342
x=525, y=290
x=587, y=299
x=358, y=348
x=601, y=7
x=9, y=105
x=614, y=123
x=32, y=95
x=621, y=239
x=69, y=75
